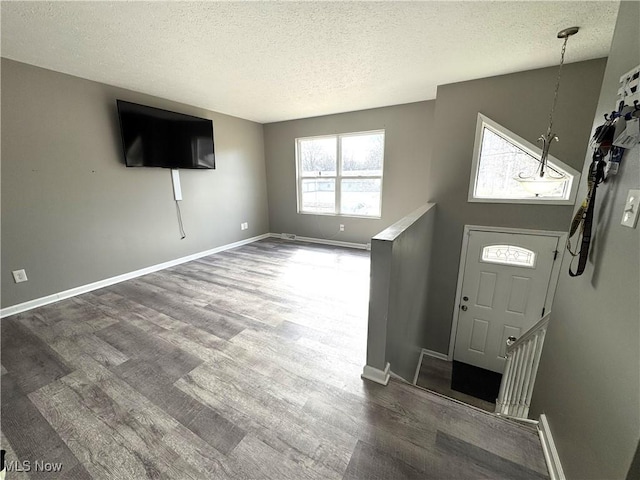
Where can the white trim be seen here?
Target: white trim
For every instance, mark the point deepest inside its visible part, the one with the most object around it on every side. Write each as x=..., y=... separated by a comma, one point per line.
x=553, y=280
x=431, y=353
x=456, y=313
x=484, y=121
x=528, y=421
x=346, y=215
x=337, y=243
x=549, y=449
x=428, y=353
x=521, y=231
x=338, y=177
x=72, y=292
x=377, y=375
x=418, y=367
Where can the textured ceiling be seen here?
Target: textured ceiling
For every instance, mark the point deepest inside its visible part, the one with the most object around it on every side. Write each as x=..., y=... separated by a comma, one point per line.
x=271, y=61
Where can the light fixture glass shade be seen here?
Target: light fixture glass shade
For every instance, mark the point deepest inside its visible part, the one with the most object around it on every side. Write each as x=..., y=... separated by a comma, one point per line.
x=542, y=182
x=540, y=185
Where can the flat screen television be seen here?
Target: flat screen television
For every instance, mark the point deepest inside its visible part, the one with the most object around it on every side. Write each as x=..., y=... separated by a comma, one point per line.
x=152, y=137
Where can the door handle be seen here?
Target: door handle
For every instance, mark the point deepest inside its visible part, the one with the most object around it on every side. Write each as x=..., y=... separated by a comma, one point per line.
x=464, y=308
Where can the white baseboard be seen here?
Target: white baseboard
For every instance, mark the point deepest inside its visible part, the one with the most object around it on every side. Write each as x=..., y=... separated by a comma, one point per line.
x=549, y=448
x=337, y=243
x=377, y=375
x=528, y=421
x=428, y=353
x=72, y=292
x=431, y=353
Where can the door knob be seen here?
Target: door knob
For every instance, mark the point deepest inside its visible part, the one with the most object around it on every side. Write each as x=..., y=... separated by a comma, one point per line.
x=511, y=340
x=464, y=308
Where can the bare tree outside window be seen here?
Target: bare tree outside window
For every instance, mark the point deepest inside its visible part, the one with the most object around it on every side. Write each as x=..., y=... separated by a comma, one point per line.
x=341, y=174
x=500, y=156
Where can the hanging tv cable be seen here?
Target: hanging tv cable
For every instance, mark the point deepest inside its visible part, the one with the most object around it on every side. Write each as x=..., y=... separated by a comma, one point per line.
x=180, y=225
x=177, y=195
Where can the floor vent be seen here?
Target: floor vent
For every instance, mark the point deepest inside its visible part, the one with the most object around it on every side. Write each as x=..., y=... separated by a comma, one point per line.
x=288, y=236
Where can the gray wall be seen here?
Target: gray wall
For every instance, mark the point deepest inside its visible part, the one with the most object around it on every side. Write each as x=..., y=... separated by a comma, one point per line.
x=400, y=259
x=588, y=383
x=408, y=299
x=408, y=141
x=379, y=288
x=521, y=103
x=72, y=213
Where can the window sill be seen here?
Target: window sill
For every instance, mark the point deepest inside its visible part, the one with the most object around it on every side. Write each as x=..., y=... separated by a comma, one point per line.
x=523, y=201
x=344, y=215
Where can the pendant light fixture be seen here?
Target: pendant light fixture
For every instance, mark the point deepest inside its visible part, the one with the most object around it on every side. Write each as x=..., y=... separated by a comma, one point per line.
x=546, y=179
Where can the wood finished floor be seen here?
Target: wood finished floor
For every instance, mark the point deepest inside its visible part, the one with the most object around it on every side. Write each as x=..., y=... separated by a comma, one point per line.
x=242, y=365
x=435, y=374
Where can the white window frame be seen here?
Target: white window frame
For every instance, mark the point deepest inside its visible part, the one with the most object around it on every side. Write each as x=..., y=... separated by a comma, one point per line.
x=485, y=122
x=338, y=177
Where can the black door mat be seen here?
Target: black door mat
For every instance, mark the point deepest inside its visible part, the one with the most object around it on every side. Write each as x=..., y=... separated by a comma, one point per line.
x=475, y=381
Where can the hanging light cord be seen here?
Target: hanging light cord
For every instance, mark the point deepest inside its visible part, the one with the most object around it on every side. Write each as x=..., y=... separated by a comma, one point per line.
x=550, y=136
x=555, y=95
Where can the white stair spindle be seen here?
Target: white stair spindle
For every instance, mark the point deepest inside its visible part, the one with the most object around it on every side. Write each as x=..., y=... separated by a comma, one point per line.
x=522, y=359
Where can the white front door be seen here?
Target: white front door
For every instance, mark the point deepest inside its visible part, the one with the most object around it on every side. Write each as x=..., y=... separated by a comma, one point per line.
x=504, y=288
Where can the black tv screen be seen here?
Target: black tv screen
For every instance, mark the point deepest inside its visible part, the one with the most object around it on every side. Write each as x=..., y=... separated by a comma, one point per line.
x=152, y=137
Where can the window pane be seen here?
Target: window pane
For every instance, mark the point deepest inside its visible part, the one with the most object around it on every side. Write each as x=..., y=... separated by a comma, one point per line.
x=317, y=156
x=509, y=255
x=360, y=197
x=319, y=195
x=500, y=161
x=362, y=154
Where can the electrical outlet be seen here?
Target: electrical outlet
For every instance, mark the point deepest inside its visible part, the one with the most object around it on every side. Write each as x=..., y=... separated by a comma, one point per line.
x=246, y=225
x=341, y=227
x=631, y=209
x=19, y=276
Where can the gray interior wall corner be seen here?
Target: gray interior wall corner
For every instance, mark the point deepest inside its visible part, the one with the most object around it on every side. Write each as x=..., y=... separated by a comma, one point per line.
x=588, y=382
x=379, y=303
x=408, y=141
x=400, y=257
x=519, y=102
x=73, y=214
x=634, y=469
x=408, y=298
